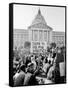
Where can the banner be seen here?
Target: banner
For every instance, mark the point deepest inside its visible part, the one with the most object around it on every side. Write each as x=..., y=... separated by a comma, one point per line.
x=38, y=47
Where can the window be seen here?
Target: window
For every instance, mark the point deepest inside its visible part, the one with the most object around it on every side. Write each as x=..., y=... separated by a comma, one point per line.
x=40, y=35
x=48, y=36
x=45, y=35
x=35, y=35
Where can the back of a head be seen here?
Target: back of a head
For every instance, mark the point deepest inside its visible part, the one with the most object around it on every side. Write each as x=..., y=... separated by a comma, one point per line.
x=49, y=62
x=22, y=68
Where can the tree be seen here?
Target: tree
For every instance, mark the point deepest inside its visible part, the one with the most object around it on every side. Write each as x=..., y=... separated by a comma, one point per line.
x=48, y=49
x=27, y=44
x=53, y=45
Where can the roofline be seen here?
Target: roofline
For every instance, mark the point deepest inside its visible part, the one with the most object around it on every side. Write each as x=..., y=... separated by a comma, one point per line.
x=59, y=31
x=42, y=28
x=19, y=29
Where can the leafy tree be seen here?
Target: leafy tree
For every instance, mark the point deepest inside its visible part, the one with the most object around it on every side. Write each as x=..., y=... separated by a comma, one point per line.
x=53, y=45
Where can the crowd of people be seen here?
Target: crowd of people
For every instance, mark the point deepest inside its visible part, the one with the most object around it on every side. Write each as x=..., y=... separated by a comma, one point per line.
x=35, y=68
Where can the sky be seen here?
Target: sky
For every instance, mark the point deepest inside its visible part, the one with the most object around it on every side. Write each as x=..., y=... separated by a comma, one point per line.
x=23, y=15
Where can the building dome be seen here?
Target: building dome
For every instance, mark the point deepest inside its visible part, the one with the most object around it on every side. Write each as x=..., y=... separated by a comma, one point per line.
x=39, y=22
x=39, y=18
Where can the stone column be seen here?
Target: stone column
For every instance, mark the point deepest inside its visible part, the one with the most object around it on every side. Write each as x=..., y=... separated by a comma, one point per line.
x=43, y=35
x=38, y=34
x=50, y=36
x=47, y=36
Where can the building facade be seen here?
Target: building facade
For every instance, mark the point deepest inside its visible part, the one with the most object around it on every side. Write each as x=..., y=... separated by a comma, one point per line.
x=20, y=36
x=58, y=38
x=39, y=34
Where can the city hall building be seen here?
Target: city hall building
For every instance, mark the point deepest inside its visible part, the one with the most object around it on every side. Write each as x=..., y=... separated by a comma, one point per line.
x=39, y=34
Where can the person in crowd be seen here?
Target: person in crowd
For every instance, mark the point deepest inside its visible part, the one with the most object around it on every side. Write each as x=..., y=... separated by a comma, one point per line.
x=19, y=76
x=28, y=60
x=28, y=67
x=54, y=74
x=50, y=72
x=46, y=67
x=30, y=76
x=34, y=62
x=54, y=54
x=59, y=61
x=60, y=58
